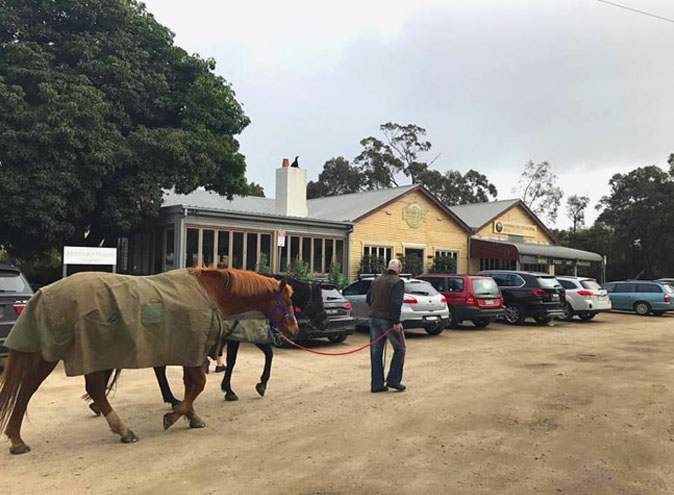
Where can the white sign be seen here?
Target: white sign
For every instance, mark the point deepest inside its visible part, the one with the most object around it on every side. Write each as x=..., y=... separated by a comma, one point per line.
x=281, y=238
x=77, y=255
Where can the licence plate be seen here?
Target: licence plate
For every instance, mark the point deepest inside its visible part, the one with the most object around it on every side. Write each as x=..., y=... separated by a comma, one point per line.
x=489, y=302
x=331, y=311
x=555, y=297
x=431, y=317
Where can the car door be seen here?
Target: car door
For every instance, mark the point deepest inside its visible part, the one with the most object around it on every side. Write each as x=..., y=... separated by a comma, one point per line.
x=456, y=292
x=621, y=296
x=356, y=294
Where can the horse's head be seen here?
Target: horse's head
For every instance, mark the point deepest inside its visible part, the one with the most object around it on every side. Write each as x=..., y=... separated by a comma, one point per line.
x=282, y=314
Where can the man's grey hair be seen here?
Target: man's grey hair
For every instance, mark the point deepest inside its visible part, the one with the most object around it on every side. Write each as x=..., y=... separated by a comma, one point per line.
x=395, y=265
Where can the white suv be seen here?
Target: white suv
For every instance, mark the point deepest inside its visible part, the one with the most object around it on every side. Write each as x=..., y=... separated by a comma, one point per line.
x=423, y=306
x=584, y=297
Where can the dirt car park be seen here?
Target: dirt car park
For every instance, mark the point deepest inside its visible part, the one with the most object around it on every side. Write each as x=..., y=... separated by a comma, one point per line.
x=582, y=407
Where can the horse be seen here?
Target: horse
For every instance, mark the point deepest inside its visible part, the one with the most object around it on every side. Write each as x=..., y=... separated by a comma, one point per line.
x=307, y=301
x=98, y=321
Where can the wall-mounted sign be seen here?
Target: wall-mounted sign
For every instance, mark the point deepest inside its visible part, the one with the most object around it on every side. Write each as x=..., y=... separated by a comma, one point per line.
x=414, y=214
x=511, y=228
x=77, y=255
x=281, y=238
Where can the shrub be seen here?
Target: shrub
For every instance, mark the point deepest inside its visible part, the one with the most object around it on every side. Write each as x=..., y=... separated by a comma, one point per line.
x=443, y=264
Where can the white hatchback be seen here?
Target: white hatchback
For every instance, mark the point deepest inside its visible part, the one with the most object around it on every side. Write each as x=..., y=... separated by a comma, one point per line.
x=423, y=306
x=584, y=297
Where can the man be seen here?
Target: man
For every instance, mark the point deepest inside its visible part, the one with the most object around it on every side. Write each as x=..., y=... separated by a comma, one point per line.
x=385, y=299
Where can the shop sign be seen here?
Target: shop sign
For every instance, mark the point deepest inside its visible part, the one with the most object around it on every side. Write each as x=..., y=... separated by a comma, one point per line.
x=78, y=255
x=414, y=215
x=281, y=238
x=512, y=228
x=583, y=263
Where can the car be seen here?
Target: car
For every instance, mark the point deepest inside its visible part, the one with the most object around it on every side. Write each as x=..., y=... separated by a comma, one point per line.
x=470, y=298
x=423, y=306
x=585, y=298
x=642, y=296
x=15, y=292
x=669, y=281
x=529, y=295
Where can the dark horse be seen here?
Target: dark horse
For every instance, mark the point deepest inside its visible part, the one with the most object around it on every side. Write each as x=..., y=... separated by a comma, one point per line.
x=91, y=320
x=307, y=301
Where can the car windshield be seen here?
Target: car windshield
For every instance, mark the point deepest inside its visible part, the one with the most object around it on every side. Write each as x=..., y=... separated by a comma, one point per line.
x=484, y=287
x=548, y=282
x=12, y=282
x=590, y=284
x=330, y=293
x=669, y=288
x=420, y=288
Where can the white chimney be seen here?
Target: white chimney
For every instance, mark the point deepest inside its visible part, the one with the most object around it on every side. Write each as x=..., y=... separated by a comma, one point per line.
x=291, y=191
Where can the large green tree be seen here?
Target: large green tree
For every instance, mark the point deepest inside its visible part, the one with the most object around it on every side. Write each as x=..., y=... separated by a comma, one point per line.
x=99, y=113
x=338, y=177
x=538, y=188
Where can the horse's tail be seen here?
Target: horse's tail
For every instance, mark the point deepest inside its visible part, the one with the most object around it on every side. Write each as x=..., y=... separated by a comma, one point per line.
x=19, y=365
x=108, y=386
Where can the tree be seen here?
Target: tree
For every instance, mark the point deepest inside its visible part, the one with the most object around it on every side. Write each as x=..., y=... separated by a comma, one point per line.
x=575, y=210
x=255, y=189
x=338, y=177
x=538, y=190
x=101, y=112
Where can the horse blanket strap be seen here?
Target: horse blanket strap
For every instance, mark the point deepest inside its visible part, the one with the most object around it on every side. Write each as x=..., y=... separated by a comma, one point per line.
x=96, y=321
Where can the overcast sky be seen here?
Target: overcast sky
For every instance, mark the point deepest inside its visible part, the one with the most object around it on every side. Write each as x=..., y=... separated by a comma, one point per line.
x=584, y=85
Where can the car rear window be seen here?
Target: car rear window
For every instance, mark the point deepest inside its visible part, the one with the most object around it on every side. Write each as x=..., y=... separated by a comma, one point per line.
x=437, y=283
x=548, y=282
x=669, y=288
x=420, y=289
x=648, y=288
x=590, y=284
x=331, y=294
x=484, y=287
x=11, y=281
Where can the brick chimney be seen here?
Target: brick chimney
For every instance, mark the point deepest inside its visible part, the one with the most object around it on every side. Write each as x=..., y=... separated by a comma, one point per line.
x=291, y=191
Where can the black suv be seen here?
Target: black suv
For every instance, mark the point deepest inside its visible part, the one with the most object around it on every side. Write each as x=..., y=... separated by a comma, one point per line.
x=14, y=294
x=529, y=295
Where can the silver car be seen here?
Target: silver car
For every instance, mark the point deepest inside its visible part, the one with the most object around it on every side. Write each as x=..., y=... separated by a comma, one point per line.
x=423, y=306
x=584, y=297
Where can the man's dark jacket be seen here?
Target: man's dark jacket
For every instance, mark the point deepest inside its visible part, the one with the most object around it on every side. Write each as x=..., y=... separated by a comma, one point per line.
x=385, y=297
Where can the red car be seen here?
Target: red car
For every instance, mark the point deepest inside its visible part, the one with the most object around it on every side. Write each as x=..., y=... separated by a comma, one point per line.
x=469, y=297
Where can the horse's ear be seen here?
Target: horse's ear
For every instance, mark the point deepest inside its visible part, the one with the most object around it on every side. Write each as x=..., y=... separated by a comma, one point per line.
x=285, y=287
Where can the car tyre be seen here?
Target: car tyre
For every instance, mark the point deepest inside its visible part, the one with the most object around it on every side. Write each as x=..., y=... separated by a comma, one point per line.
x=337, y=339
x=568, y=313
x=642, y=308
x=514, y=314
x=453, y=320
x=435, y=330
x=587, y=316
x=484, y=323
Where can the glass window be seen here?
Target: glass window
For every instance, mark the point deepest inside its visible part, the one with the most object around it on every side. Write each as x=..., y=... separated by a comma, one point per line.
x=484, y=287
x=329, y=253
x=306, y=250
x=359, y=288
x=624, y=288
x=283, y=262
x=548, y=282
x=265, y=248
x=669, y=288
x=170, y=249
x=223, y=248
x=419, y=288
x=438, y=283
x=513, y=280
x=568, y=284
x=237, y=253
x=339, y=252
x=158, y=249
x=590, y=284
x=648, y=288
x=192, y=245
x=11, y=281
x=318, y=255
x=455, y=285
x=207, y=247
x=294, y=248
x=251, y=251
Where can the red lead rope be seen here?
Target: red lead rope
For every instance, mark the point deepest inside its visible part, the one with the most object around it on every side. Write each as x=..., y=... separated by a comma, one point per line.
x=400, y=337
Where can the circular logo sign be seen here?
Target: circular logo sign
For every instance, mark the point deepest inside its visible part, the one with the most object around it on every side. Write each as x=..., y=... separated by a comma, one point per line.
x=498, y=227
x=414, y=215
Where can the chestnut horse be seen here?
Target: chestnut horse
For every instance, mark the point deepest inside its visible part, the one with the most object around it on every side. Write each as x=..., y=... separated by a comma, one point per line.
x=34, y=353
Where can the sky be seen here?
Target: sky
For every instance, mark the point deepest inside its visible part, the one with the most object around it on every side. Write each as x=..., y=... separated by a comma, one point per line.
x=586, y=86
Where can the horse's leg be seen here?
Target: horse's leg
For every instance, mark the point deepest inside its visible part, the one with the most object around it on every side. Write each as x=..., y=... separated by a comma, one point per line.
x=96, y=410
x=95, y=384
x=268, y=357
x=226, y=385
x=31, y=382
x=195, y=380
x=167, y=395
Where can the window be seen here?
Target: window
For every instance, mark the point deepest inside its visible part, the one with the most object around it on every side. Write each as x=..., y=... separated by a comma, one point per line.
x=590, y=284
x=207, y=247
x=359, y=288
x=294, y=248
x=455, y=285
x=251, y=251
x=170, y=249
x=223, y=248
x=381, y=251
x=535, y=267
x=192, y=244
x=450, y=254
x=438, y=283
x=339, y=252
x=420, y=289
x=648, y=288
x=513, y=280
x=497, y=264
x=329, y=253
x=157, y=250
x=265, y=248
x=485, y=287
x=318, y=255
x=548, y=282
x=306, y=250
x=623, y=288
x=567, y=284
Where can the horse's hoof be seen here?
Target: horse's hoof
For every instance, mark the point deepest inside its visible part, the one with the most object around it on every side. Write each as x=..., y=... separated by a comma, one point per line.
x=231, y=397
x=95, y=409
x=129, y=438
x=261, y=389
x=197, y=423
x=168, y=420
x=22, y=448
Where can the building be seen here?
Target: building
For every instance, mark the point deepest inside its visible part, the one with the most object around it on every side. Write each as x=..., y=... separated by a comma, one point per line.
x=203, y=228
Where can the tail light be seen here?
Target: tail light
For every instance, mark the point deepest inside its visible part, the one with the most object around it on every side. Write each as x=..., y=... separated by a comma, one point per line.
x=538, y=292
x=443, y=299
x=470, y=300
x=586, y=293
x=298, y=310
x=667, y=298
x=410, y=300
x=19, y=307
x=347, y=306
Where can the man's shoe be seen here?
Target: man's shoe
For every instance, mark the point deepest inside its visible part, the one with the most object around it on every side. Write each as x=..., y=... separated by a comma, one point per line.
x=398, y=386
x=220, y=369
x=377, y=390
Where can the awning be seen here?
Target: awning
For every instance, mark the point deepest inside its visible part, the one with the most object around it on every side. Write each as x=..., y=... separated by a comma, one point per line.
x=483, y=248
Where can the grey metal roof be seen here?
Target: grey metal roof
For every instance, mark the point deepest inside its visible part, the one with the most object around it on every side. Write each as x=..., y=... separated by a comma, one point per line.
x=211, y=200
x=559, y=252
x=348, y=207
x=477, y=214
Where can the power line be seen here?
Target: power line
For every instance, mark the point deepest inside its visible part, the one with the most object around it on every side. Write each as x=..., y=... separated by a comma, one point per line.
x=637, y=11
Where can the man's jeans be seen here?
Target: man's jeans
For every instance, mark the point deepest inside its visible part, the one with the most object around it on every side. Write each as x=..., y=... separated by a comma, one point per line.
x=395, y=375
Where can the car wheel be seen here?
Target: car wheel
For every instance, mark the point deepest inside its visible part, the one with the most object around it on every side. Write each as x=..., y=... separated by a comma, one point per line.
x=587, y=316
x=568, y=313
x=543, y=320
x=453, y=320
x=658, y=313
x=337, y=339
x=514, y=314
x=642, y=308
x=436, y=330
x=482, y=323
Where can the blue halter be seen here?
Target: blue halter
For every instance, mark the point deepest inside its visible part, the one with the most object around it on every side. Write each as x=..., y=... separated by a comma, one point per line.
x=278, y=307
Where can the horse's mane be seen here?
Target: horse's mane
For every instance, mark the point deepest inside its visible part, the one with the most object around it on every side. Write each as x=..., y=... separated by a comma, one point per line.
x=240, y=282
